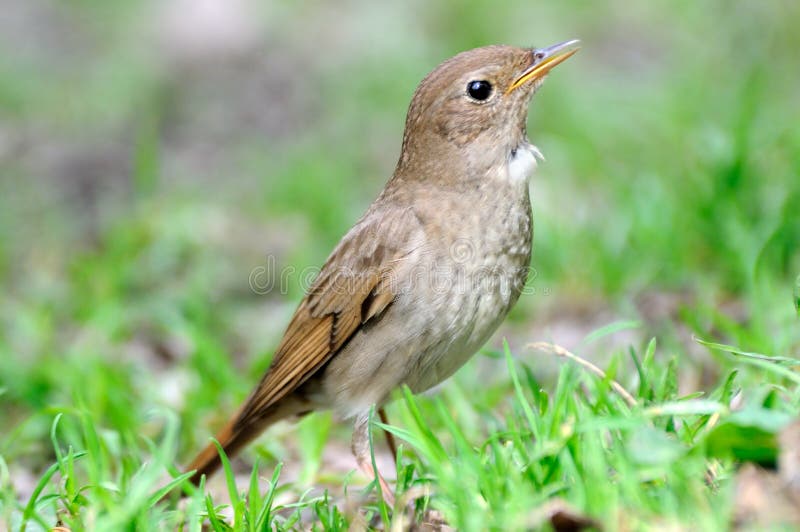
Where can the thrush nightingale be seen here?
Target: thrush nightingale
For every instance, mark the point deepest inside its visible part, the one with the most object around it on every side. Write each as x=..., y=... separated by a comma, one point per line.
x=423, y=279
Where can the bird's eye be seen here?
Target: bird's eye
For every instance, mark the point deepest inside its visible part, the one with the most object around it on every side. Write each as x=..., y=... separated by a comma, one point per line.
x=479, y=90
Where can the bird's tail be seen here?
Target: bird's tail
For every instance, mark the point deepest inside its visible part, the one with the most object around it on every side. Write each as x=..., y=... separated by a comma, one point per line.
x=237, y=433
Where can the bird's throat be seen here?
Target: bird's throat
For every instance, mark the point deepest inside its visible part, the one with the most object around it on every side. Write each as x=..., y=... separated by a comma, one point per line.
x=522, y=161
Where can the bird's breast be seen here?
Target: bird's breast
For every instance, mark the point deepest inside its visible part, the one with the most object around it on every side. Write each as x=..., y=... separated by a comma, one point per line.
x=491, y=266
x=477, y=268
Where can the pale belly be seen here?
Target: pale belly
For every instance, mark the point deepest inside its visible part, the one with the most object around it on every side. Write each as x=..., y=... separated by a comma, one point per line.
x=474, y=309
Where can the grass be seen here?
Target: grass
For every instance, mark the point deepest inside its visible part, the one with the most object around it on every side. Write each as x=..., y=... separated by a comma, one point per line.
x=139, y=195
x=485, y=456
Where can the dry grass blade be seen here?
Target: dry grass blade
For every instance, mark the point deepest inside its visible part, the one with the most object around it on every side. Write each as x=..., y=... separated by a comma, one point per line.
x=562, y=352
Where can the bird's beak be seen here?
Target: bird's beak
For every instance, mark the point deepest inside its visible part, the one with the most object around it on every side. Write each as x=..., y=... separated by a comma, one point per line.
x=544, y=61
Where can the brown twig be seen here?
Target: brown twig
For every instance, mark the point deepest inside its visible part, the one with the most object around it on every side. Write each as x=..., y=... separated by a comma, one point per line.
x=560, y=351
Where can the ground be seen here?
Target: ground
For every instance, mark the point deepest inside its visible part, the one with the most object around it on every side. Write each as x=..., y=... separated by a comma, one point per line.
x=160, y=161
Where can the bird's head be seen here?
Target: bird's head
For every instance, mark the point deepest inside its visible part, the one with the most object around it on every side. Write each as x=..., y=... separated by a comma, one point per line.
x=474, y=106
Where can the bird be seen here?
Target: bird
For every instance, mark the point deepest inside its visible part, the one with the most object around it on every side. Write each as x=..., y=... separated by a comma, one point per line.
x=422, y=280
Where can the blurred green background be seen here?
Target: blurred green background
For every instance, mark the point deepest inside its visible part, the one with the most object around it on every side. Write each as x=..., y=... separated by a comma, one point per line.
x=153, y=155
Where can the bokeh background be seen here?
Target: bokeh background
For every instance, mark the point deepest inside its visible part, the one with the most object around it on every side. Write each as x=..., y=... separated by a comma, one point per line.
x=153, y=155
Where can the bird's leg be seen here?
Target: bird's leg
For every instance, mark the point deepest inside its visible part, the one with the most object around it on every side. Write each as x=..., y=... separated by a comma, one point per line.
x=361, y=450
x=389, y=436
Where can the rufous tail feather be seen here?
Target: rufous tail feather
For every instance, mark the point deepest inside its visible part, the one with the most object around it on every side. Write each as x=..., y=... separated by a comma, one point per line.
x=236, y=434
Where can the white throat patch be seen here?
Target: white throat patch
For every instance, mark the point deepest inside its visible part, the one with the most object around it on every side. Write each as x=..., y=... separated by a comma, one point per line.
x=522, y=163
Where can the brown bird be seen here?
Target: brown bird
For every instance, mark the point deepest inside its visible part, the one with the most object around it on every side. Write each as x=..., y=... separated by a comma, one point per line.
x=423, y=279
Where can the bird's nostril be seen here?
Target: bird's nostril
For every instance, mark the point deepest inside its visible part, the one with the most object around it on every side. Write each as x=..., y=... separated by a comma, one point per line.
x=538, y=56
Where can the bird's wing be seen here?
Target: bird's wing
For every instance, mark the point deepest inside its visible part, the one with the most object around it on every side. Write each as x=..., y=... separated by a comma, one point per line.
x=354, y=287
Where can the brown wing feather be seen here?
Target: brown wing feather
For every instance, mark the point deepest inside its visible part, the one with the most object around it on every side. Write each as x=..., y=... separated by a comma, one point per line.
x=337, y=305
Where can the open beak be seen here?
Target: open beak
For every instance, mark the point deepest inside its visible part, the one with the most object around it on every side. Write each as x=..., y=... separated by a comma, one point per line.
x=544, y=61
